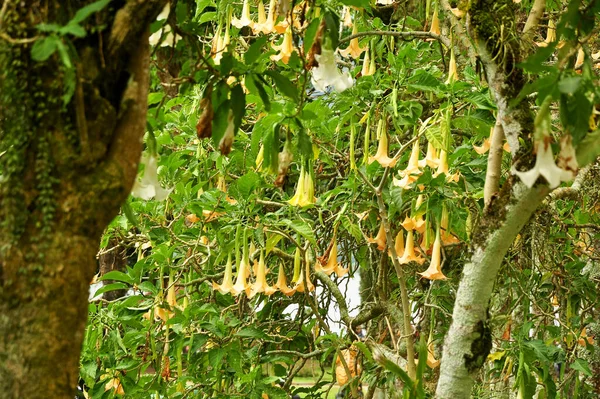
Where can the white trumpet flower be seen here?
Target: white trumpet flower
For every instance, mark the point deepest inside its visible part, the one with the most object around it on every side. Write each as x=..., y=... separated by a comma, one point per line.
x=328, y=74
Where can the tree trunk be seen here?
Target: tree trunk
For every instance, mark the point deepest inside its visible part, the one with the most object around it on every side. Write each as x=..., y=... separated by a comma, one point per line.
x=70, y=142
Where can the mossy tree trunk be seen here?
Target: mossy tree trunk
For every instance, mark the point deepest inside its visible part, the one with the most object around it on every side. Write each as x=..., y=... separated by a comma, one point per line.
x=66, y=166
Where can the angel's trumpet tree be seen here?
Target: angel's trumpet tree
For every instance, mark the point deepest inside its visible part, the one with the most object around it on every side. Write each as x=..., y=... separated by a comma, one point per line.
x=434, y=271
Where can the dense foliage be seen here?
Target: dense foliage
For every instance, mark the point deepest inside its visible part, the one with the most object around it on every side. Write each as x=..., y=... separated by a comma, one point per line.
x=274, y=165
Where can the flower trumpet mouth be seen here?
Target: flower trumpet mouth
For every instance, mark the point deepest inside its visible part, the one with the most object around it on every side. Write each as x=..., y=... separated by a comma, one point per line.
x=245, y=19
x=382, y=149
x=380, y=239
x=227, y=286
x=305, y=191
x=409, y=251
x=261, y=285
x=286, y=48
x=282, y=283
x=434, y=271
x=353, y=50
x=304, y=274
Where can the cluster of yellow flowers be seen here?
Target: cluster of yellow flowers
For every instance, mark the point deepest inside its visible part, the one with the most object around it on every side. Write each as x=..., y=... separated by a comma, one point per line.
x=301, y=279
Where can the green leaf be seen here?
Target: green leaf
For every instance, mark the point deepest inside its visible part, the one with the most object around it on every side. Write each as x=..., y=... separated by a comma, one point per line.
x=238, y=105
x=436, y=137
x=255, y=50
x=582, y=366
x=284, y=85
x=569, y=85
x=42, y=49
x=588, y=149
x=247, y=183
x=251, y=332
x=88, y=10
x=366, y=4
x=118, y=276
x=302, y=228
x=310, y=34
x=129, y=214
x=262, y=93
x=73, y=29
x=111, y=287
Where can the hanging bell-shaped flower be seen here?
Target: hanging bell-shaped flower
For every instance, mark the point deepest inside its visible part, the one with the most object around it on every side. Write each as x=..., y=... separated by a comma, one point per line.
x=327, y=74
x=380, y=239
x=304, y=275
x=305, y=190
x=545, y=166
x=261, y=285
x=431, y=158
x=241, y=283
x=399, y=244
x=434, y=271
x=297, y=266
x=435, y=23
x=447, y=237
x=452, y=71
x=148, y=186
x=409, y=251
x=282, y=283
x=353, y=50
x=285, y=49
x=245, y=19
x=227, y=286
x=382, y=149
x=368, y=67
x=412, y=171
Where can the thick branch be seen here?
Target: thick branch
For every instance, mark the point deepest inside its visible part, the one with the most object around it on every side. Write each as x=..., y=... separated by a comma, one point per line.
x=466, y=345
x=534, y=18
x=494, y=166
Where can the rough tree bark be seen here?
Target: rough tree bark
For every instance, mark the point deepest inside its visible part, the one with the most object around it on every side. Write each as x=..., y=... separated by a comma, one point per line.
x=64, y=172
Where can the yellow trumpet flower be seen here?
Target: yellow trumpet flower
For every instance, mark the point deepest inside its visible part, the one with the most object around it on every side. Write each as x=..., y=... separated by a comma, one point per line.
x=285, y=49
x=452, y=73
x=431, y=158
x=219, y=45
x=332, y=264
x=443, y=168
x=261, y=285
x=435, y=23
x=305, y=190
x=297, y=266
x=409, y=251
x=399, y=244
x=245, y=19
x=380, y=239
x=353, y=50
x=550, y=35
x=382, y=149
x=282, y=283
x=227, y=286
x=368, y=67
x=304, y=274
x=412, y=171
x=347, y=16
x=434, y=271
x=485, y=146
x=447, y=237
x=432, y=362
x=265, y=25
x=241, y=282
